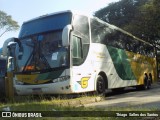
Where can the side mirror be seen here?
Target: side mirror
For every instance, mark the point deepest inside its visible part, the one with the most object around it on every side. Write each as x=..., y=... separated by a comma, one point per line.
x=65, y=35
x=11, y=42
x=20, y=54
x=5, y=45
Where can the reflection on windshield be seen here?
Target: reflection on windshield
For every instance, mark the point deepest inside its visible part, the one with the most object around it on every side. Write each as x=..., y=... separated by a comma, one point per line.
x=43, y=51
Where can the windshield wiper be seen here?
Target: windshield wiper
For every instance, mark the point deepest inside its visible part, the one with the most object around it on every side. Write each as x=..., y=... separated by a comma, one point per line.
x=33, y=60
x=44, y=60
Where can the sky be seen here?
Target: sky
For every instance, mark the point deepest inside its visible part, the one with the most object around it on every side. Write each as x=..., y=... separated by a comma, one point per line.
x=24, y=10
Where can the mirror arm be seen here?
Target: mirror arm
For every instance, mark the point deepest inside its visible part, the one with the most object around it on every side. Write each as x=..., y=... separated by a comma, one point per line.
x=65, y=35
x=19, y=44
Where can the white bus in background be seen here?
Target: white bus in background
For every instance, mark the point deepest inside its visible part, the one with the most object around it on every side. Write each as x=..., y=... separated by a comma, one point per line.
x=65, y=53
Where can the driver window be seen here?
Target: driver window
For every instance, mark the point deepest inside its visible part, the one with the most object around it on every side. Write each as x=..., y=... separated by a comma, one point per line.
x=77, y=48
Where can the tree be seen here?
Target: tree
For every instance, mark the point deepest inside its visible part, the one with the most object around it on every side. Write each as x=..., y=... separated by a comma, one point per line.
x=120, y=13
x=7, y=23
x=139, y=17
x=146, y=23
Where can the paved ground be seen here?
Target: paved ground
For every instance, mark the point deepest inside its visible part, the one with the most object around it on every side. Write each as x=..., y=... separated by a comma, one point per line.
x=133, y=98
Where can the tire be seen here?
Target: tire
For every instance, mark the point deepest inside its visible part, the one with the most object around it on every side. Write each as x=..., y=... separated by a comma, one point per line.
x=150, y=81
x=100, y=86
x=147, y=82
x=145, y=85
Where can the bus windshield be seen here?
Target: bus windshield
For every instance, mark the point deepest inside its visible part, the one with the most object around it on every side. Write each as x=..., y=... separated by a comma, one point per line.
x=41, y=40
x=42, y=51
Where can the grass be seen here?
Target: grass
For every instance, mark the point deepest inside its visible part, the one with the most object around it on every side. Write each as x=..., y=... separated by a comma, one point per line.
x=65, y=106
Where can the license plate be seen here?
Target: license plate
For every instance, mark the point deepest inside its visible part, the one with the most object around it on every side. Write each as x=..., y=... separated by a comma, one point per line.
x=37, y=91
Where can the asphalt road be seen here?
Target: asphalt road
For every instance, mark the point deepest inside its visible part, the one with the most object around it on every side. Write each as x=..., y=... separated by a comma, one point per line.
x=131, y=97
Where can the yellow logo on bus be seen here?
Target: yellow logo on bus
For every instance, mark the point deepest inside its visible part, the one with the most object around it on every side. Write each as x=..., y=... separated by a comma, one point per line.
x=84, y=82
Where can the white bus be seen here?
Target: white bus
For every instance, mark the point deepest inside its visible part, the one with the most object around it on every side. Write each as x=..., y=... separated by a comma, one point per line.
x=65, y=53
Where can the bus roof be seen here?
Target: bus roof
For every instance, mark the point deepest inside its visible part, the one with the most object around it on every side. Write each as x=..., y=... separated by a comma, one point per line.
x=81, y=13
x=47, y=15
x=55, y=13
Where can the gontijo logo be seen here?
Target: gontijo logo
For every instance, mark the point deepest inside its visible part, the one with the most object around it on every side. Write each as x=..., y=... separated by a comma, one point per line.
x=84, y=82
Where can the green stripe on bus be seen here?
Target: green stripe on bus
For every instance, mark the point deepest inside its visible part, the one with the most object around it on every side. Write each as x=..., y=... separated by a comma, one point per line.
x=50, y=75
x=121, y=63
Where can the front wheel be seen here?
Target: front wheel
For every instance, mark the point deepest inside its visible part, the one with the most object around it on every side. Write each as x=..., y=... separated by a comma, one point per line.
x=100, y=87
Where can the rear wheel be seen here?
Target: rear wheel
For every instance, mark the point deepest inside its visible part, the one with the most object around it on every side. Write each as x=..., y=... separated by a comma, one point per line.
x=100, y=87
x=146, y=85
x=149, y=84
x=149, y=81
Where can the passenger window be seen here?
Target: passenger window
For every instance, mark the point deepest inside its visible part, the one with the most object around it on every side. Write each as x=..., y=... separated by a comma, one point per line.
x=82, y=42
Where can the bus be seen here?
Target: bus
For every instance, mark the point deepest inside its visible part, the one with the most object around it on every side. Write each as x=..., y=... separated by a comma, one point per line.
x=67, y=53
x=2, y=67
x=3, y=70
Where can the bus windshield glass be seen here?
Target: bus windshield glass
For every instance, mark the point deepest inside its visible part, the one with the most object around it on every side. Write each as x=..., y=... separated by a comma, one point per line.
x=42, y=52
x=41, y=40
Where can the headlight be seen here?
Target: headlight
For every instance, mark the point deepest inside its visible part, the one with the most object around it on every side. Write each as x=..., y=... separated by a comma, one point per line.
x=55, y=80
x=61, y=79
x=19, y=82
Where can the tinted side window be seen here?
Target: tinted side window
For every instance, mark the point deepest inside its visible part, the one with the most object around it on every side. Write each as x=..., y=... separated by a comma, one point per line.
x=76, y=50
x=81, y=29
x=81, y=26
x=99, y=32
x=76, y=45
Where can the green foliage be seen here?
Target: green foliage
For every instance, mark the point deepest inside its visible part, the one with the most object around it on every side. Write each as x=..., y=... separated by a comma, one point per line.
x=120, y=13
x=146, y=24
x=7, y=23
x=140, y=17
x=151, y=20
